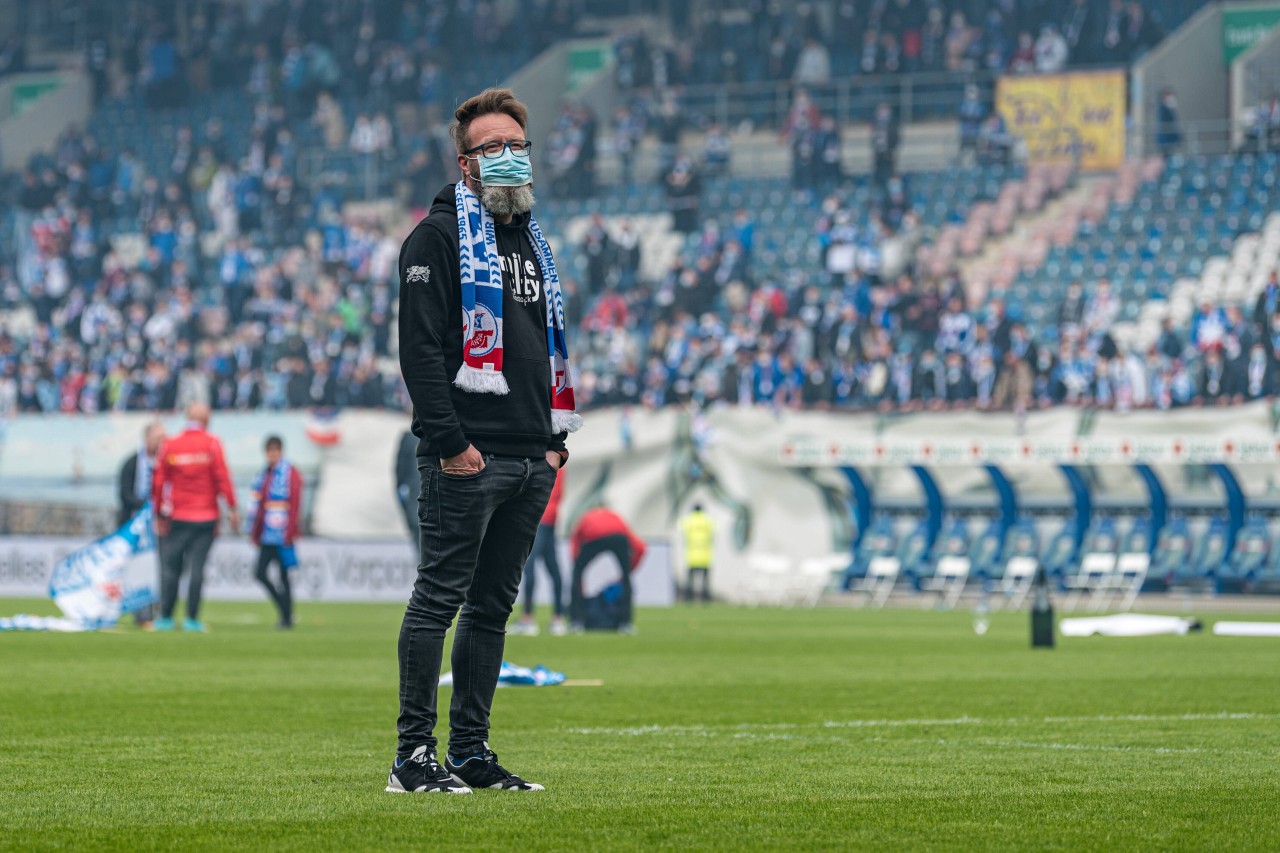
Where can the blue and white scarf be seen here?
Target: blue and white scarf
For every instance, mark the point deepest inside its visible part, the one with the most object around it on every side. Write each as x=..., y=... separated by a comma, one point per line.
x=480, y=277
x=275, y=503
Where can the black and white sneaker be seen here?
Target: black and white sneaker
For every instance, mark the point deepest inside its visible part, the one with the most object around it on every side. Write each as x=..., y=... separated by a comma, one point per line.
x=421, y=773
x=484, y=771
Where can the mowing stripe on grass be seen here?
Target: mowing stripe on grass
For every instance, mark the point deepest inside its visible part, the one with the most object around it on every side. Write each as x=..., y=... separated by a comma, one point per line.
x=1090, y=747
x=737, y=728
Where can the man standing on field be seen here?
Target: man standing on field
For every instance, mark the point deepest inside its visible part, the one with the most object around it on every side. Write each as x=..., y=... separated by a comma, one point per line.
x=191, y=474
x=482, y=350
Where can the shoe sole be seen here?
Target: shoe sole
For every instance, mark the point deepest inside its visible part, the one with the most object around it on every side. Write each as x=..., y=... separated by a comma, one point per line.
x=533, y=786
x=391, y=790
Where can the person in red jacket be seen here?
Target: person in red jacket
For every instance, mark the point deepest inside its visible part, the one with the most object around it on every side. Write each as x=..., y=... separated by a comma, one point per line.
x=274, y=521
x=190, y=475
x=602, y=531
x=544, y=549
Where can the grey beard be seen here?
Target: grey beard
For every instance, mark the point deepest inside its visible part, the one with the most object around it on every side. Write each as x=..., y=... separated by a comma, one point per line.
x=507, y=201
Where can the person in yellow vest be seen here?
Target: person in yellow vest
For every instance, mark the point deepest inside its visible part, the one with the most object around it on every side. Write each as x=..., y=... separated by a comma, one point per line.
x=699, y=535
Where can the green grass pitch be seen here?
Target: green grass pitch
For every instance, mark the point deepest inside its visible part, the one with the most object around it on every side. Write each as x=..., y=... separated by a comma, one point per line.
x=721, y=728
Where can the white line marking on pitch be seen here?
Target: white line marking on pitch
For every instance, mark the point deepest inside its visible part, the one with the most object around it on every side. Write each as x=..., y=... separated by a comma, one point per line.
x=1085, y=747
x=730, y=730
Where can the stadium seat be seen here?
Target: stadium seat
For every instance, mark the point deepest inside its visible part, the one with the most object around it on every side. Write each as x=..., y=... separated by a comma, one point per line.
x=1249, y=559
x=1093, y=577
x=1060, y=554
x=1097, y=566
x=769, y=577
x=1130, y=573
x=816, y=576
x=949, y=578
x=1015, y=584
x=1172, y=553
x=914, y=555
x=1201, y=572
x=882, y=575
x=878, y=541
x=987, y=554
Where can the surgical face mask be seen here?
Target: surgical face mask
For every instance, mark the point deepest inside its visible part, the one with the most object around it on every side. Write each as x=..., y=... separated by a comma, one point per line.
x=506, y=170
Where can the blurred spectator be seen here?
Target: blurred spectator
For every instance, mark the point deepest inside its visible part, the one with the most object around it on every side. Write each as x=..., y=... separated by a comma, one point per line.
x=328, y=117
x=1051, y=51
x=960, y=37
x=1262, y=125
x=683, y=187
x=716, y=151
x=627, y=131
x=827, y=147
x=571, y=153
x=995, y=144
x=1023, y=60
x=813, y=65
x=885, y=138
x=1168, y=125
x=972, y=113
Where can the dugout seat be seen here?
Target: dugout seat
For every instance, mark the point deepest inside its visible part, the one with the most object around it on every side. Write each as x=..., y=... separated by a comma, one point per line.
x=1021, y=563
x=950, y=570
x=878, y=541
x=881, y=577
x=1249, y=559
x=1097, y=565
x=1060, y=554
x=1173, y=551
x=987, y=553
x=949, y=578
x=914, y=554
x=1200, y=573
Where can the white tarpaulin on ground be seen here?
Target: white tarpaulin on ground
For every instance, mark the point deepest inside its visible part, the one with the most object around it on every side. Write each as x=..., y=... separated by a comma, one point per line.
x=1247, y=629
x=1126, y=625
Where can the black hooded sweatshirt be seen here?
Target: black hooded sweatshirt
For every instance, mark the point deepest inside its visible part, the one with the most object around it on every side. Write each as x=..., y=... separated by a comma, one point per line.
x=446, y=418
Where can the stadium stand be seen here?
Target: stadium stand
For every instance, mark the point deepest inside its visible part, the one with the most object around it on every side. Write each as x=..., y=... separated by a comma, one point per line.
x=226, y=228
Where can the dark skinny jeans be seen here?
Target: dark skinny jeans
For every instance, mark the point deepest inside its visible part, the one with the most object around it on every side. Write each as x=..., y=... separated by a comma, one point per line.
x=475, y=535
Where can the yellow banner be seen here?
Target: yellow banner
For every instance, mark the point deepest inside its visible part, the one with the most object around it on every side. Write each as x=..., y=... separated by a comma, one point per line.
x=1065, y=116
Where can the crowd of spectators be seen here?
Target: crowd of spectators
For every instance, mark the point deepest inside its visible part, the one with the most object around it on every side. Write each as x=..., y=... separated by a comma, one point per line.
x=1261, y=129
x=239, y=291
x=812, y=44
x=710, y=333
x=245, y=287
x=218, y=274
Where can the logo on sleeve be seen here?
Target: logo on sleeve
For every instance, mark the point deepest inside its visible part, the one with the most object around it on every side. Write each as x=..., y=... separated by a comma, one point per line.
x=421, y=274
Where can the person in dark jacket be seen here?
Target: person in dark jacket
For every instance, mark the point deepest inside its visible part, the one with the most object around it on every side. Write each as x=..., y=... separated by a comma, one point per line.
x=544, y=550
x=885, y=136
x=135, y=474
x=483, y=357
x=408, y=484
x=1168, y=124
x=602, y=531
x=135, y=490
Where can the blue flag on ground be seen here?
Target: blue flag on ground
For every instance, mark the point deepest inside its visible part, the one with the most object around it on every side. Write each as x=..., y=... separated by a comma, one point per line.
x=95, y=585
x=514, y=675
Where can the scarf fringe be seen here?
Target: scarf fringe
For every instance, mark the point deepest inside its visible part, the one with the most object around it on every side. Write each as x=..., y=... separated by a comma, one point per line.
x=563, y=420
x=479, y=381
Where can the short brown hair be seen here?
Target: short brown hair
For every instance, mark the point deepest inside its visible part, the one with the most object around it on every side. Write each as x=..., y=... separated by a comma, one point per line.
x=486, y=103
